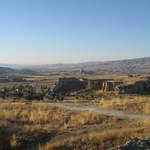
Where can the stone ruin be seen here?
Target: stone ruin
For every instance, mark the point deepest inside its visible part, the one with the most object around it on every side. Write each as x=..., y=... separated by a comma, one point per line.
x=104, y=84
x=111, y=86
x=96, y=84
x=66, y=85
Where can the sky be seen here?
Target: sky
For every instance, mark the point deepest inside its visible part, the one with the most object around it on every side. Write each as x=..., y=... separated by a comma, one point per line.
x=72, y=31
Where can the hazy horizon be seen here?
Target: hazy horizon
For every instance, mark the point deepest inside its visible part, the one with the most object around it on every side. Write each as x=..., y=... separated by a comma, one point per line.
x=67, y=31
x=19, y=64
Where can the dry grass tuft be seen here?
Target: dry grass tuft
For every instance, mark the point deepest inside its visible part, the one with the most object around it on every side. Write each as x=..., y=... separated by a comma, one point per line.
x=89, y=118
x=136, y=104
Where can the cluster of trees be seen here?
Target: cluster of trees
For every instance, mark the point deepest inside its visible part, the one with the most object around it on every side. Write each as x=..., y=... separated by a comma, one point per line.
x=29, y=92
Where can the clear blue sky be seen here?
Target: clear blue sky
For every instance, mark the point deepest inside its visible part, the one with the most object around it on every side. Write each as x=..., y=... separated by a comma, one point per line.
x=65, y=31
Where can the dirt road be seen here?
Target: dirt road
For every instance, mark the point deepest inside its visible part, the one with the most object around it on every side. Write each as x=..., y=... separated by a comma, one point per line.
x=80, y=107
x=97, y=109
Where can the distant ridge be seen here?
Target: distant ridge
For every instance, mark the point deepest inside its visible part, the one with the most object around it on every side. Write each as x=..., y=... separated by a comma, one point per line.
x=127, y=66
x=7, y=70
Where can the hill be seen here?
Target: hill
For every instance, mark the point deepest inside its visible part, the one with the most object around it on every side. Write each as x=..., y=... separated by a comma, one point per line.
x=129, y=66
x=7, y=70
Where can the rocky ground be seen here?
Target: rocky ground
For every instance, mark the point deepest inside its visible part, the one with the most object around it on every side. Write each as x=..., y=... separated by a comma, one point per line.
x=135, y=144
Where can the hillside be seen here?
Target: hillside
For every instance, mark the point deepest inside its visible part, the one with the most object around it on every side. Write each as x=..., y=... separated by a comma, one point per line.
x=6, y=70
x=129, y=66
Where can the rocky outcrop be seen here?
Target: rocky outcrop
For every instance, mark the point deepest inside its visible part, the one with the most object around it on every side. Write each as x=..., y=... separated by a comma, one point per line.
x=66, y=85
x=135, y=144
x=139, y=87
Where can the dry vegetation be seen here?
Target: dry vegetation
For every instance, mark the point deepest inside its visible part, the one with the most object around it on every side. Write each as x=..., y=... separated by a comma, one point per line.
x=22, y=124
x=90, y=118
x=102, y=140
x=124, y=78
x=135, y=104
x=25, y=125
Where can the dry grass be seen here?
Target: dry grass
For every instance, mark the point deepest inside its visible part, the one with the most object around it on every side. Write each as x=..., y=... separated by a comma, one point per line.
x=89, y=118
x=94, y=141
x=23, y=124
x=124, y=78
x=140, y=124
x=33, y=114
x=135, y=104
x=103, y=139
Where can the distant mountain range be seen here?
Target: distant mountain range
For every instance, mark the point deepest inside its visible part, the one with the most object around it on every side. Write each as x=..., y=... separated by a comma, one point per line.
x=129, y=66
x=6, y=70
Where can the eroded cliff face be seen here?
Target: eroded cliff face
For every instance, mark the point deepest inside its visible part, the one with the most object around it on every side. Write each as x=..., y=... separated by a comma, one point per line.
x=139, y=87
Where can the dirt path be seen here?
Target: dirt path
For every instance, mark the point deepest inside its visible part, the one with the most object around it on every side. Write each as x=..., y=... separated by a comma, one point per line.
x=80, y=107
x=97, y=109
